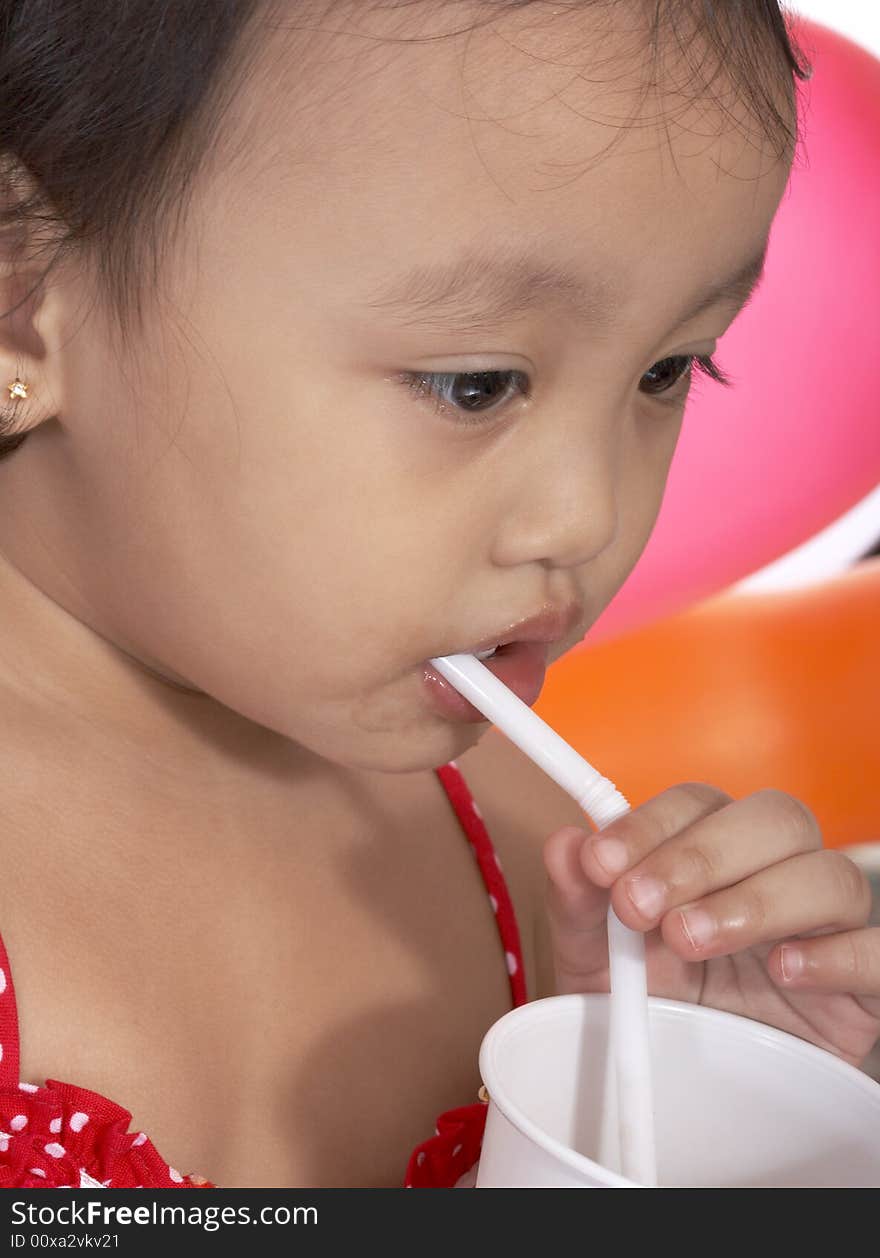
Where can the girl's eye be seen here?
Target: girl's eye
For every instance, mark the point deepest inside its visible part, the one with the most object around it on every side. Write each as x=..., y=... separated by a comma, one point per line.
x=467, y=393
x=661, y=379
x=476, y=393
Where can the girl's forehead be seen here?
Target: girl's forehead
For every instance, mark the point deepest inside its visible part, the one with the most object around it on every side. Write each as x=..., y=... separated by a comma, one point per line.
x=410, y=101
x=406, y=136
x=384, y=165
x=601, y=68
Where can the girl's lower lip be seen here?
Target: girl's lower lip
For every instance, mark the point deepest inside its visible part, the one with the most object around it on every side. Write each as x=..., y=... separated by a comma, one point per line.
x=520, y=665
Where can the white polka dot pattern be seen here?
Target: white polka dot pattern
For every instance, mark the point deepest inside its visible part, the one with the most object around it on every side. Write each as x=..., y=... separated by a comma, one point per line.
x=55, y=1125
x=55, y=1150
x=19, y=1121
x=86, y=1181
x=78, y=1120
x=511, y=963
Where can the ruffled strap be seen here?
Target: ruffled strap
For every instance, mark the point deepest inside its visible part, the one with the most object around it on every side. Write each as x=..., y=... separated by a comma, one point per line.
x=9, y=1050
x=471, y=819
x=64, y=1136
x=454, y=1149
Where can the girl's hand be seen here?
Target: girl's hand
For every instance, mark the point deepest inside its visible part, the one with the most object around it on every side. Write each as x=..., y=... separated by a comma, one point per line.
x=742, y=909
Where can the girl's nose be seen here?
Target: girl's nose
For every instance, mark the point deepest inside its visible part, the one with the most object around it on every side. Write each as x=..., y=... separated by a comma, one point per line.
x=565, y=506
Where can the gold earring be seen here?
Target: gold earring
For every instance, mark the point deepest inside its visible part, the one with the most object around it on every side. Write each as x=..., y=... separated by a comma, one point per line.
x=18, y=389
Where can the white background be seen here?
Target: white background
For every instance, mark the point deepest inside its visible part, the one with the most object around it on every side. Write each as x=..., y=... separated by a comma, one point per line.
x=858, y=19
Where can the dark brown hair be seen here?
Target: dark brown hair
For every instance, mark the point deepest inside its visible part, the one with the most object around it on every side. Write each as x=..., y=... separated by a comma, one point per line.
x=107, y=112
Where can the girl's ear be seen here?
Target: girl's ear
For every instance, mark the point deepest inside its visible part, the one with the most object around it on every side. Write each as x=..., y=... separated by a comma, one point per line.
x=30, y=315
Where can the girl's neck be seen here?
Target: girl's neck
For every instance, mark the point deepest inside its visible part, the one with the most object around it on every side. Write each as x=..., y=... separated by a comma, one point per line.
x=150, y=729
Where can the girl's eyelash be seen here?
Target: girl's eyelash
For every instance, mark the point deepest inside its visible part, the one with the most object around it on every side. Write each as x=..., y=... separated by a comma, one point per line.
x=702, y=364
x=433, y=385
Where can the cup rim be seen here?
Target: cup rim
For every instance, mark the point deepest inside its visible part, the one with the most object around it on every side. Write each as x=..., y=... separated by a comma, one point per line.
x=579, y=1161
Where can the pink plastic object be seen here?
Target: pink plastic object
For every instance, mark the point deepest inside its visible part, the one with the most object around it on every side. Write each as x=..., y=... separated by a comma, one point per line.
x=764, y=466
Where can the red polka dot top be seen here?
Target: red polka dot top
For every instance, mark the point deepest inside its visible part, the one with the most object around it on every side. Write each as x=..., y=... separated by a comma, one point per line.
x=59, y=1135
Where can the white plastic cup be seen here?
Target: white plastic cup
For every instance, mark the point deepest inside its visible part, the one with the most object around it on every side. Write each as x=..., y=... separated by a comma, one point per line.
x=737, y=1104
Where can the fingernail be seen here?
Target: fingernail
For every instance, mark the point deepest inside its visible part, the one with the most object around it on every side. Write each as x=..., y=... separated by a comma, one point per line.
x=648, y=895
x=791, y=961
x=699, y=926
x=611, y=855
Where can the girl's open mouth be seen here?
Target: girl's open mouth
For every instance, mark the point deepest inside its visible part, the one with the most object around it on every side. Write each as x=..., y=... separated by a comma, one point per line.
x=521, y=666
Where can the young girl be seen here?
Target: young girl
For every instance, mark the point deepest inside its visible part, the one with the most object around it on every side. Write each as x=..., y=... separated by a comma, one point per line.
x=340, y=337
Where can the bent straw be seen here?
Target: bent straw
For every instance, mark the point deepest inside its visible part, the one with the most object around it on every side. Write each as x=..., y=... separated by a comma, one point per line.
x=628, y=1032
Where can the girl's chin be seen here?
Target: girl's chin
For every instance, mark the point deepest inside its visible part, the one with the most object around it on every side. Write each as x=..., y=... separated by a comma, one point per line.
x=422, y=755
x=416, y=746
x=392, y=729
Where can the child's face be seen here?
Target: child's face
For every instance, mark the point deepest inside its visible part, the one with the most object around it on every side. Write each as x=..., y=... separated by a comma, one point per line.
x=270, y=513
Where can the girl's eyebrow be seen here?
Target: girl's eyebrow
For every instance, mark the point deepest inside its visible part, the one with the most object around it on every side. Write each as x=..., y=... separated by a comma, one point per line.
x=486, y=289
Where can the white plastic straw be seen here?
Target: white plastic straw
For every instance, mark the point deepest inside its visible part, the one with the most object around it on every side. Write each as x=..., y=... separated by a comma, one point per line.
x=629, y=1044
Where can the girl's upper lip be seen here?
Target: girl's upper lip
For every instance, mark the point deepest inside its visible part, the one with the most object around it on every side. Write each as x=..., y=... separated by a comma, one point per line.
x=550, y=625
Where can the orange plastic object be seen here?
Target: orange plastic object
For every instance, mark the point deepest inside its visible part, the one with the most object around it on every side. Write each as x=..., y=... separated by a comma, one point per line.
x=743, y=691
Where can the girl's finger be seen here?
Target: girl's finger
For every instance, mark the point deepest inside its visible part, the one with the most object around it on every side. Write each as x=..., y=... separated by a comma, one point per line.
x=576, y=913
x=720, y=846
x=846, y=962
x=627, y=841
x=816, y=891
